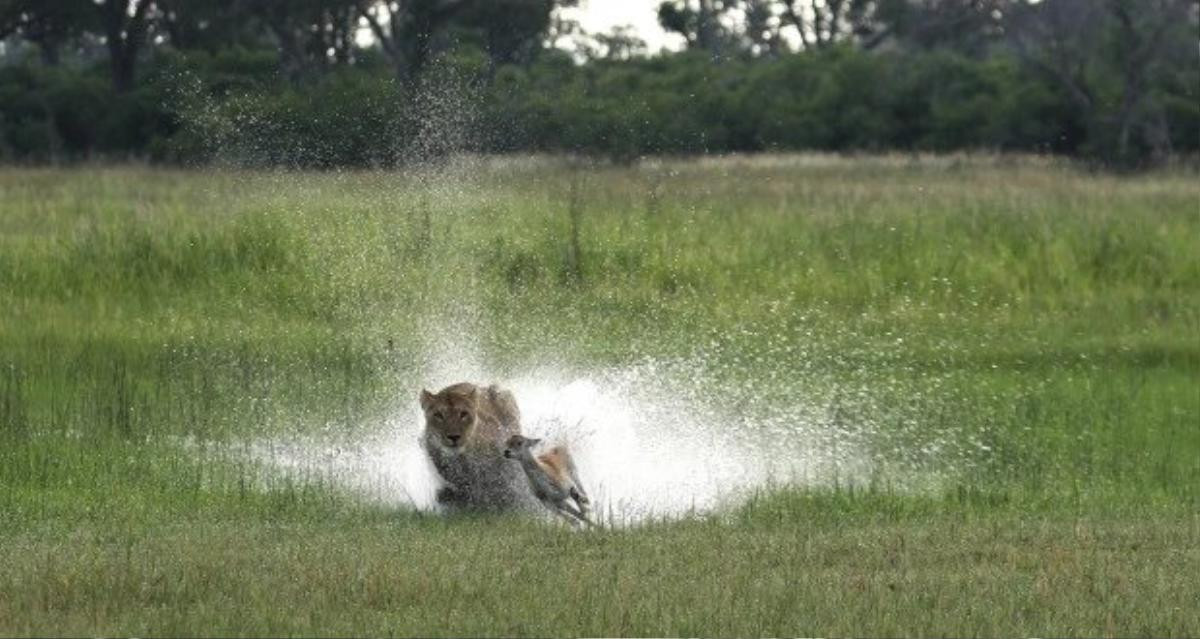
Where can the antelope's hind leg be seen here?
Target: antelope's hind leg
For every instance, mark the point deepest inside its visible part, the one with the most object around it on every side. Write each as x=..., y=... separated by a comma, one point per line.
x=581, y=499
x=573, y=515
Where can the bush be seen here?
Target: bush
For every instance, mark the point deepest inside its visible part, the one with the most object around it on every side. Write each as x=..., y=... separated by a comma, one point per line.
x=233, y=106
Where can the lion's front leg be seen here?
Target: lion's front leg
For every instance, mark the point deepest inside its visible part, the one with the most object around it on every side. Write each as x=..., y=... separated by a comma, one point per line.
x=448, y=469
x=450, y=496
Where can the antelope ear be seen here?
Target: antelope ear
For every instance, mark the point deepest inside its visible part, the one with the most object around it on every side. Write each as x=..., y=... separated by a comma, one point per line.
x=426, y=399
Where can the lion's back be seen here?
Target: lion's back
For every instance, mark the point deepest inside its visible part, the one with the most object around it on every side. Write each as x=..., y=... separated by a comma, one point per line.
x=502, y=405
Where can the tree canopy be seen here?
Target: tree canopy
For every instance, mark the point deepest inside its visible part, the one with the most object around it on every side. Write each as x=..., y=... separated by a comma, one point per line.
x=357, y=82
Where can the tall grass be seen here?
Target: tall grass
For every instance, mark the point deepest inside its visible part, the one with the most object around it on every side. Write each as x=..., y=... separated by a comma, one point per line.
x=1038, y=326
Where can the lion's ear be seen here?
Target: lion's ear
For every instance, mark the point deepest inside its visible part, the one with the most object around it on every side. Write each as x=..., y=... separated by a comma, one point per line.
x=426, y=399
x=533, y=442
x=473, y=396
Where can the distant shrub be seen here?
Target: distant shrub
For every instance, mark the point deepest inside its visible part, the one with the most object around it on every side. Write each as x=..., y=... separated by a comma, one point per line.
x=234, y=106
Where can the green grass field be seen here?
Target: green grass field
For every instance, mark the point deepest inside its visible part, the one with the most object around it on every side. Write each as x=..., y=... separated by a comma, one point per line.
x=1012, y=345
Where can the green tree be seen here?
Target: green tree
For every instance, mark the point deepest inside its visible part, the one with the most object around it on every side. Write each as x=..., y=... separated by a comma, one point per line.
x=212, y=25
x=702, y=23
x=1106, y=56
x=406, y=31
x=513, y=31
x=125, y=24
x=310, y=34
x=969, y=27
x=49, y=25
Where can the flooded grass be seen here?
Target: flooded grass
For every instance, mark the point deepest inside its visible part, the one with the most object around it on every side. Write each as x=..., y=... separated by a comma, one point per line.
x=895, y=396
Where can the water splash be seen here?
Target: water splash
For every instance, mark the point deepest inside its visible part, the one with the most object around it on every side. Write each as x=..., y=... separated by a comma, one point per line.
x=645, y=449
x=655, y=438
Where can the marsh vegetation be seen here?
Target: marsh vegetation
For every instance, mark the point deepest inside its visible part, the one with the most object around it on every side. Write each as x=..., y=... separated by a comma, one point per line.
x=1010, y=346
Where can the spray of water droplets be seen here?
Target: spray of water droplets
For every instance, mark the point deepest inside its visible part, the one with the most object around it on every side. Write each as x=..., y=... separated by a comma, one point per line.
x=656, y=438
x=644, y=449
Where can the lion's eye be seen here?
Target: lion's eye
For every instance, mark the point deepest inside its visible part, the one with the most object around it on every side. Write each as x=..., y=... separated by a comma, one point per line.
x=439, y=416
x=464, y=415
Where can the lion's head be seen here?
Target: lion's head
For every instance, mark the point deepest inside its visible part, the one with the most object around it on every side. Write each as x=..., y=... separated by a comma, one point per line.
x=450, y=414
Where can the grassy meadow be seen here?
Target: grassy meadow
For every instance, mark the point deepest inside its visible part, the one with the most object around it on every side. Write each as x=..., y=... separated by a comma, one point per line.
x=1022, y=337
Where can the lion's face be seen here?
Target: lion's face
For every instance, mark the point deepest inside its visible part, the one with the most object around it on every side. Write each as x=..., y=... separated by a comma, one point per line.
x=449, y=417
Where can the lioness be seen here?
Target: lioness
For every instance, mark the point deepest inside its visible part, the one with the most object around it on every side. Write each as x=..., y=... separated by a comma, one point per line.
x=466, y=427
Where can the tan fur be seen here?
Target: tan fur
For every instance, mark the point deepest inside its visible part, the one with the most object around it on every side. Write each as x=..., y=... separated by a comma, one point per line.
x=554, y=463
x=466, y=427
x=552, y=478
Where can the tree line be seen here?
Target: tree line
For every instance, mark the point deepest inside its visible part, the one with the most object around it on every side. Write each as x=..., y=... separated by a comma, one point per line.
x=324, y=83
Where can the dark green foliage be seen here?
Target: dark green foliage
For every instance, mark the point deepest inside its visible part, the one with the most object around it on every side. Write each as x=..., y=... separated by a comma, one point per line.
x=236, y=106
x=50, y=114
x=293, y=82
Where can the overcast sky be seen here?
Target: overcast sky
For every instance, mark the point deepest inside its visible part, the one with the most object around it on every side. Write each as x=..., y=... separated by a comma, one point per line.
x=600, y=16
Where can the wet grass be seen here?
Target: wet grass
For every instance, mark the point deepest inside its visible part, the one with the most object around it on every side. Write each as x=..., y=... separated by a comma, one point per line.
x=1026, y=335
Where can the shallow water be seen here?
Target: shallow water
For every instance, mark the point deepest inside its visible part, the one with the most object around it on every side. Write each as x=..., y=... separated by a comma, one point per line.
x=645, y=449
x=652, y=439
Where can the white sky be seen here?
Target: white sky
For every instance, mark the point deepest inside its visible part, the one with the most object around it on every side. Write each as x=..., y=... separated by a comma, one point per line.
x=600, y=16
